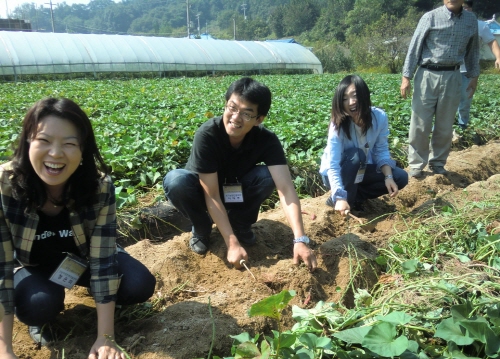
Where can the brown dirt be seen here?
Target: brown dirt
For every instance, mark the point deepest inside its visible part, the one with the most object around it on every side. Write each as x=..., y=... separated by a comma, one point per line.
x=181, y=326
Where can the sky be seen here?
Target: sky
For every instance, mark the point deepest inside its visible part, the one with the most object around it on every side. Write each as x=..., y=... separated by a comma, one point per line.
x=12, y=4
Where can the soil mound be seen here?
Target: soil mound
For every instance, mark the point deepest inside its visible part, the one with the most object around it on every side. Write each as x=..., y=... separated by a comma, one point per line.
x=181, y=325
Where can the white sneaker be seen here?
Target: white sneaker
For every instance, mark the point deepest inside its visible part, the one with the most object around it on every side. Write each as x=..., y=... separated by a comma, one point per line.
x=456, y=137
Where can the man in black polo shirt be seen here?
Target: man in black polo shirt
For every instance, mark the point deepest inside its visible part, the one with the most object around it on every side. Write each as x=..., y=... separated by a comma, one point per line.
x=235, y=164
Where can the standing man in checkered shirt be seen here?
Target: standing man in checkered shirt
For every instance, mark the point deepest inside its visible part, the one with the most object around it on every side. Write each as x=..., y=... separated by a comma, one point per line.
x=444, y=38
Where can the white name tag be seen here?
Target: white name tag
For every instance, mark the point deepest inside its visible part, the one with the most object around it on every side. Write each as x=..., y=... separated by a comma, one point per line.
x=360, y=174
x=69, y=271
x=233, y=192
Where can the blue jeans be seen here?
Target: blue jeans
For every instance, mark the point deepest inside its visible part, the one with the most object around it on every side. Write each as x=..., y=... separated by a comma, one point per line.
x=465, y=102
x=39, y=301
x=183, y=189
x=373, y=184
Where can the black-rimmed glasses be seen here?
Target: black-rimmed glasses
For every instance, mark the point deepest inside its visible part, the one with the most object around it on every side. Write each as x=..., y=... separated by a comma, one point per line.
x=233, y=110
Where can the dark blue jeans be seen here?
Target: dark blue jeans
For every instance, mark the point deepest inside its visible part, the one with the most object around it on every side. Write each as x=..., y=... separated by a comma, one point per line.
x=183, y=189
x=39, y=301
x=373, y=184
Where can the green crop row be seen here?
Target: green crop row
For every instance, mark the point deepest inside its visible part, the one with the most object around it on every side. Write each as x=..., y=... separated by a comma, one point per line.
x=145, y=127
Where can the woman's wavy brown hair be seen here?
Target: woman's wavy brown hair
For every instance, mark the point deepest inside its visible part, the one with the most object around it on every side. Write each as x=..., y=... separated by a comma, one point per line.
x=83, y=183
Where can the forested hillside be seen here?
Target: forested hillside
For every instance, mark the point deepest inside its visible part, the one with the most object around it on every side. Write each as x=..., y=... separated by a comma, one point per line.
x=344, y=33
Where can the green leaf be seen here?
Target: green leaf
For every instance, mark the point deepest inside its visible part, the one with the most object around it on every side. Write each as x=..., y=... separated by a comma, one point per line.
x=463, y=258
x=287, y=340
x=304, y=354
x=265, y=350
x=493, y=312
x=456, y=353
x=381, y=260
x=396, y=318
x=241, y=338
x=381, y=340
x=410, y=266
x=461, y=311
x=324, y=343
x=353, y=335
x=299, y=314
x=272, y=306
x=477, y=328
x=398, y=249
x=408, y=355
x=492, y=348
x=449, y=330
x=247, y=350
x=314, y=342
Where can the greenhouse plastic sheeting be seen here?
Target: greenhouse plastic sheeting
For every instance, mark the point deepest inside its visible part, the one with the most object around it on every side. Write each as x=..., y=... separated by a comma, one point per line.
x=28, y=53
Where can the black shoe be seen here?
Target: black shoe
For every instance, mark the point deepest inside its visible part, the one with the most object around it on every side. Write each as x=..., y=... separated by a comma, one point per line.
x=199, y=244
x=246, y=237
x=41, y=335
x=439, y=170
x=329, y=202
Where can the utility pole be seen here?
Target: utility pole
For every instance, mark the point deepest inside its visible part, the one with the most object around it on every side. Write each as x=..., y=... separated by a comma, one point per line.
x=244, y=7
x=7, y=13
x=187, y=16
x=51, y=15
x=234, y=29
x=198, y=18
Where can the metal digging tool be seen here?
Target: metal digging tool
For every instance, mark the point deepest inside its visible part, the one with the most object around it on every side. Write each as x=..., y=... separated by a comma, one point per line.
x=243, y=263
x=368, y=227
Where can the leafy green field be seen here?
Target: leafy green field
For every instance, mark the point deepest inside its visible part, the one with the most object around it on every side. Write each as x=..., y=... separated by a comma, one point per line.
x=145, y=127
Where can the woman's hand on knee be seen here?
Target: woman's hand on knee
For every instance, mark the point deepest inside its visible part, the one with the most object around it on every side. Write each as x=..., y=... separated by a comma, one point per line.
x=342, y=207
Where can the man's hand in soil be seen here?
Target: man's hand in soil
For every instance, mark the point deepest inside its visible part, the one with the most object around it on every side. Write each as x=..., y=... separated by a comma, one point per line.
x=235, y=253
x=302, y=252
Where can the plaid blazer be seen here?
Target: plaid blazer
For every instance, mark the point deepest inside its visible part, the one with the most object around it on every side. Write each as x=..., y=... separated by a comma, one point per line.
x=94, y=232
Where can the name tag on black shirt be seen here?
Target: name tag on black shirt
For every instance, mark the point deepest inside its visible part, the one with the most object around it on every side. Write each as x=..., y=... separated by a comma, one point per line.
x=233, y=193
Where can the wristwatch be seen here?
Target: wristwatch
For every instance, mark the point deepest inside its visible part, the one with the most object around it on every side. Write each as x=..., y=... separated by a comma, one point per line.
x=389, y=177
x=303, y=239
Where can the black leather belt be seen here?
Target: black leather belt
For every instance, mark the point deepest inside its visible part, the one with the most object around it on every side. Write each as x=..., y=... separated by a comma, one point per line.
x=436, y=67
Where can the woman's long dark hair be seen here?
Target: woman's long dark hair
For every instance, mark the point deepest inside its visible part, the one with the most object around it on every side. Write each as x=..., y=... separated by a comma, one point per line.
x=83, y=183
x=340, y=118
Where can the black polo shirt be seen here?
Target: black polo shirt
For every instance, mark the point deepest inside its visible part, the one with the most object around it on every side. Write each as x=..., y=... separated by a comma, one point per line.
x=212, y=151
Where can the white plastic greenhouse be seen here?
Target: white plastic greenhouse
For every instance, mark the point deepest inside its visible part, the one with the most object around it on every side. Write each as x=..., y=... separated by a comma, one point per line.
x=34, y=53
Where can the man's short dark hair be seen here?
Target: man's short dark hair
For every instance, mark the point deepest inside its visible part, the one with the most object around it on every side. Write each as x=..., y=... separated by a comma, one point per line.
x=253, y=92
x=469, y=3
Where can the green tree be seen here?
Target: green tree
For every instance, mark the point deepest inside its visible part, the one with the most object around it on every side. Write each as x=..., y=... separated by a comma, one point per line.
x=74, y=24
x=276, y=21
x=331, y=24
x=366, y=12
x=252, y=29
x=334, y=57
x=385, y=42
x=300, y=16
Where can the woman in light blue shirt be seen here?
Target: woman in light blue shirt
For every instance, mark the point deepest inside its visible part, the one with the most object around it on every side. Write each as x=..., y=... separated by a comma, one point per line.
x=356, y=164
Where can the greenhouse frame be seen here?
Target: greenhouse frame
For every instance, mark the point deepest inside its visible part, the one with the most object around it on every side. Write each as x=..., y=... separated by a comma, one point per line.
x=37, y=53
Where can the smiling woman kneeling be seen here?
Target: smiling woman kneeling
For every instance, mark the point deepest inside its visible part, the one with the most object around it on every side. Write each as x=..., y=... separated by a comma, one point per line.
x=58, y=229
x=356, y=164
